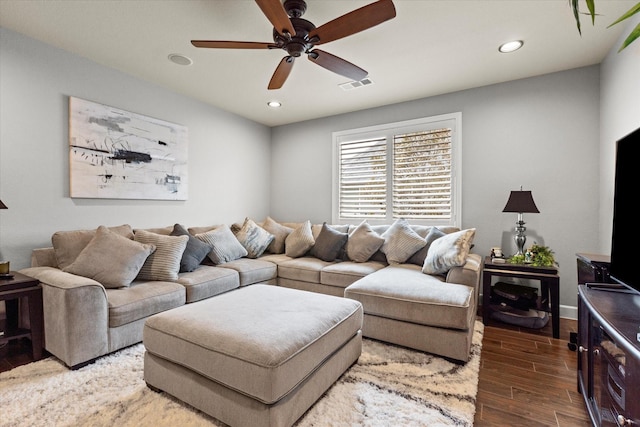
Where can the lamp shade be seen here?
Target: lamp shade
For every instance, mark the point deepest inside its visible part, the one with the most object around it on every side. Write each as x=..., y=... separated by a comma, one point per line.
x=2, y=205
x=521, y=202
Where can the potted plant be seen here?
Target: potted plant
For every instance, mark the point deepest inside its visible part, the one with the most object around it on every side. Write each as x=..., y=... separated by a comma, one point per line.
x=536, y=255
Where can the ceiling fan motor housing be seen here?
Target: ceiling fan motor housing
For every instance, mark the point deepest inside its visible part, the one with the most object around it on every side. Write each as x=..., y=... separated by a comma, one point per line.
x=298, y=44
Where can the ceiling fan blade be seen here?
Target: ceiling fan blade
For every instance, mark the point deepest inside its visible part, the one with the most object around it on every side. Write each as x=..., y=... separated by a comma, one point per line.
x=337, y=65
x=354, y=22
x=275, y=13
x=281, y=73
x=221, y=44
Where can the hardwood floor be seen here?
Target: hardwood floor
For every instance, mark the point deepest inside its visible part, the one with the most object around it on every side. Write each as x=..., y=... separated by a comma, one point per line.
x=527, y=378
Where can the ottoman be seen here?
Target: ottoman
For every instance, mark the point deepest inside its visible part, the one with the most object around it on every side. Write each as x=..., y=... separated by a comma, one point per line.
x=256, y=356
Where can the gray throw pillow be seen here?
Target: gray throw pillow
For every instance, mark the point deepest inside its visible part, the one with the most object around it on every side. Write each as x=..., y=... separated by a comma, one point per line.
x=111, y=259
x=299, y=241
x=329, y=245
x=419, y=257
x=164, y=262
x=224, y=245
x=195, y=252
x=400, y=242
x=363, y=242
x=448, y=251
x=254, y=238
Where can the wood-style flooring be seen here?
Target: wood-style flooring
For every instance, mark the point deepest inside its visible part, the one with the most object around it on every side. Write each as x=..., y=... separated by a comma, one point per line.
x=527, y=378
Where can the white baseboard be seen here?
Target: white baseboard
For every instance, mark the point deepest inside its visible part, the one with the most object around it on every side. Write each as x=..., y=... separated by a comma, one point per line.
x=569, y=312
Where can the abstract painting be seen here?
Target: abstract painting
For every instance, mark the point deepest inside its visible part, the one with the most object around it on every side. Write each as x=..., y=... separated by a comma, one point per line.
x=116, y=154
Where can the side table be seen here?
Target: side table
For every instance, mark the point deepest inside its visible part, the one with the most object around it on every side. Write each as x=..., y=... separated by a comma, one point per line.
x=11, y=291
x=549, y=299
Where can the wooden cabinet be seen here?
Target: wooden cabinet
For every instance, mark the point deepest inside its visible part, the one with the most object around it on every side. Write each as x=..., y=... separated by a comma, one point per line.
x=609, y=355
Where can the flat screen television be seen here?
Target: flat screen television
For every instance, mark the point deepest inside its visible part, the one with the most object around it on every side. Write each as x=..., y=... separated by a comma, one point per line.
x=625, y=239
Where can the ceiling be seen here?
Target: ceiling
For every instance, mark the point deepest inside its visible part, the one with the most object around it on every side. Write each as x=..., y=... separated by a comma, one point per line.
x=431, y=47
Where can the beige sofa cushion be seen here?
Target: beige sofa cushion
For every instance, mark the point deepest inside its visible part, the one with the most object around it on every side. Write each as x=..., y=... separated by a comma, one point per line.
x=67, y=245
x=305, y=269
x=299, y=241
x=141, y=300
x=422, y=299
x=280, y=233
x=363, y=242
x=111, y=259
x=342, y=274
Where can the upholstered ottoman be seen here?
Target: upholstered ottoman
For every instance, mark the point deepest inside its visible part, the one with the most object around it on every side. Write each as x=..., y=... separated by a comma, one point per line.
x=256, y=356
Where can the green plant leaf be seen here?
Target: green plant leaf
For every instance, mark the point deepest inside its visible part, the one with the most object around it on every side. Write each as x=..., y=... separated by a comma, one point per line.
x=635, y=9
x=576, y=13
x=634, y=35
x=592, y=10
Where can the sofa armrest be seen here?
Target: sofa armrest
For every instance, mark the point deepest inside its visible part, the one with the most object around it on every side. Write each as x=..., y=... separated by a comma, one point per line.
x=469, y=274
x=76, y=315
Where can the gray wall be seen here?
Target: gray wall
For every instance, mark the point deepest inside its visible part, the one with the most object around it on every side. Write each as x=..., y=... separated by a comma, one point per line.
x=619, y=115
x=229, y=156
x=541, y=133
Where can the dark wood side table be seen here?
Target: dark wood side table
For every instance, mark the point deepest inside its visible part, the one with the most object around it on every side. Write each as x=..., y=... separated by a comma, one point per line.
x=549, y=299
x=11, y=291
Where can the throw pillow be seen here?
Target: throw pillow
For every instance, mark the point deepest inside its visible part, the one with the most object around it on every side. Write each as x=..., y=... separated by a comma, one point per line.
x=280, y=233
x=254, y=238
x=299, y=241
x=363, y=242
x=448, y=251
x=111, y=259
x=224, y=245
x=164, y=262
x=195, y=252
x=67, y=245
x=329, y=244
x=418, y=258
x=400, y=242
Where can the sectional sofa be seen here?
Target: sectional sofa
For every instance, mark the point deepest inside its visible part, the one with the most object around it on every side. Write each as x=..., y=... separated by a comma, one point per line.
x=418, y=285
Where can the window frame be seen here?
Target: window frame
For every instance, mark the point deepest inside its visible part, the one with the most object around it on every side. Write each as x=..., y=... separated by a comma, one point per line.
x=388, y=131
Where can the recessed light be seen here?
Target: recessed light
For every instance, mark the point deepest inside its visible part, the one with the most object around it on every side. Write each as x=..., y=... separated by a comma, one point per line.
x=176, y=58
x=274, y=104
x=511, y=46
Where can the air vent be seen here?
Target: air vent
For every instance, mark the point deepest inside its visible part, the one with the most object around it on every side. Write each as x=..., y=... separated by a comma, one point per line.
x=356, y=84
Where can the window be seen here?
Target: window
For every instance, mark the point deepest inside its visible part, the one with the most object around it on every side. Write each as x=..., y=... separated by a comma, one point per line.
x=399, y=170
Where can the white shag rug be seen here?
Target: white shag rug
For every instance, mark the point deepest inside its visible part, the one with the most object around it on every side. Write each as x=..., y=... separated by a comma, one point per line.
x=388, y=386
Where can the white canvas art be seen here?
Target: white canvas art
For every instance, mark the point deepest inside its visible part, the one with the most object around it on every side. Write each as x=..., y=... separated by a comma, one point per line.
x=116, y=154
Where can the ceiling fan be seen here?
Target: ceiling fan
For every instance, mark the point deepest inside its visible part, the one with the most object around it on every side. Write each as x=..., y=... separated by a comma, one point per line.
x=297, y=36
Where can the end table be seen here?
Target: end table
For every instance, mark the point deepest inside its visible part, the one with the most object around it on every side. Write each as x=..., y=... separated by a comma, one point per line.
x=11, y=291
x=549, y=299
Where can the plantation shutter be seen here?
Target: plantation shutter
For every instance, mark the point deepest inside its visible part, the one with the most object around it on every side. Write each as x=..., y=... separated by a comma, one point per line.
x=422, y=182
x=363, y=177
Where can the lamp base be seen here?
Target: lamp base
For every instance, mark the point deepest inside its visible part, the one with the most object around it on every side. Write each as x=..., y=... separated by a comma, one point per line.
x=520, y=238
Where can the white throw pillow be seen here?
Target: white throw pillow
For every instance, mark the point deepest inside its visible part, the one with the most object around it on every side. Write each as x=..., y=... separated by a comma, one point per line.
x=448, y=251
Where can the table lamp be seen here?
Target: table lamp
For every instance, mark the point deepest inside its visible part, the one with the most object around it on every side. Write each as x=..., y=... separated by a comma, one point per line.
x=520, y=202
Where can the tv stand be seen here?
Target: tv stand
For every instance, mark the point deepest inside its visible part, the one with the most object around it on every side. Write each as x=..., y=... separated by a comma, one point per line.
x=609, y=287
x=609, y=355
